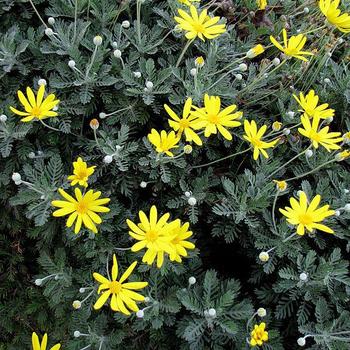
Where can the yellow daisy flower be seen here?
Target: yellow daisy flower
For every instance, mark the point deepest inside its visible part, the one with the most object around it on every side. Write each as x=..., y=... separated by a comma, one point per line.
x=321, y=137
x=188, y=2
x=213, y=119
x=293, y=46
x=81, y=173
x=258, y=335
x=123, y=296
x=309, y=105
x=334, y=16
x=81, y=209
x=37, y=346
x=36, y=108
x=154, y=235
x=254, y=136
x=262, y=4
x=199, y=62
x=184, y=124
x=307, y=215
x=164, y=141
x=281, y=185
x=179, y=242
x=199, y=25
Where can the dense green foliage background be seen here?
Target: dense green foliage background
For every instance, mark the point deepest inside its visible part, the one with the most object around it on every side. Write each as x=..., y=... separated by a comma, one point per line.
x=231, y=221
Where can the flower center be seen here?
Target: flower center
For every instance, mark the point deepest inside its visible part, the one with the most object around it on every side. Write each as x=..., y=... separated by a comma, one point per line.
x=151, y=236
x=81, y=207
x=198, y=28
x=36, y=111
x=176, y=240
x=81, y=174
x=213, y=118
x=305, y=219
x=115, y=287
x=315, y=136
x=184, y=123
x=256, y=142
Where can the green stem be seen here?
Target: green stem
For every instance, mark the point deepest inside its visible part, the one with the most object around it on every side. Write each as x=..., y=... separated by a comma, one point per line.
x=75, y=20
x=92, y=62
x=38, y=14
x=273, y=211
x=285, y=164
x=189, y=42
x=138, y=19
x=311, y=171
x=219, y=160
x=48, y=126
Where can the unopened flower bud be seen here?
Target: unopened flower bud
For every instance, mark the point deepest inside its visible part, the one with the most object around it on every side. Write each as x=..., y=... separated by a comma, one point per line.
x=31, y=155
x=192, y=201
x=137, y=75
x=147, y=299
x=199, y=62
x=149, y=85
x=309, y=153
x=71, y=63
x=51, y=21
x=347, y=208
x=94, y=124
x=126, y=24
x=286, y=132
x=143, y=184
x=306, y=10
x=346, y=191
x=42, y=82
x=48, y=31
x=76, y=334
x=276, y=61
x=193, y=72
x=261, y=312
x=192, y=280
x=188, y=194
x=276, y=126
x=188, y=149
x=337, y=213
x=16, y=177
x=239, y=76
x=242, y=67
x=140, y=314
x=38, y=282
x=117, y=53
x=290, y=114
x=102, y=115
x=327, y=80
x=212, y=312
x=264, y=256
x=76, y=304
x=82, y=290
x=108, y=159
x=97, y=40
x=301, y=341
x=303, y=277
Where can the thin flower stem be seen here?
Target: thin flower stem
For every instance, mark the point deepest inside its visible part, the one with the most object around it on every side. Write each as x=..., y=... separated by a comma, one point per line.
x=289, y=237
x=117, y=248
x=75, y=20
x=92, y=62
x=96, y=139
x=32, y=187
x=120, y=110
x=88, y=296
x=219, y=160
x=228, y=66
x=189, y=42
x=273, y=210
x=222, y=77
x=290, y=161
x=86, y=347
x=48, y=126
x=311, y=171
x=138, y=19
x=100, y=347
x=38, y=14
x=315, y=29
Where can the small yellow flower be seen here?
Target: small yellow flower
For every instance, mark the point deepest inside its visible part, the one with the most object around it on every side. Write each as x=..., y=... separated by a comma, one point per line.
x=258, y=335
x=255, y=51
x=310, y=107
x=94, y=124
x=307, y=215
x=261, y=4
x=36, y=343
x=188, y=149
x=179, y=241
x=213, y=119
x=334, y=16
x=346, y=137
x=154, y=235
x=254, y=136
x=318, y=137
x=293, y=46
x=199, y=62
x=343, y=155
x=36, y=108
x=276, y=126
x=123, y=296
x=188, y=2
x=184, y=124
x=81, y=173
x=81, y=209
x=199, y=24
x=164, y=141
x=280, y=185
